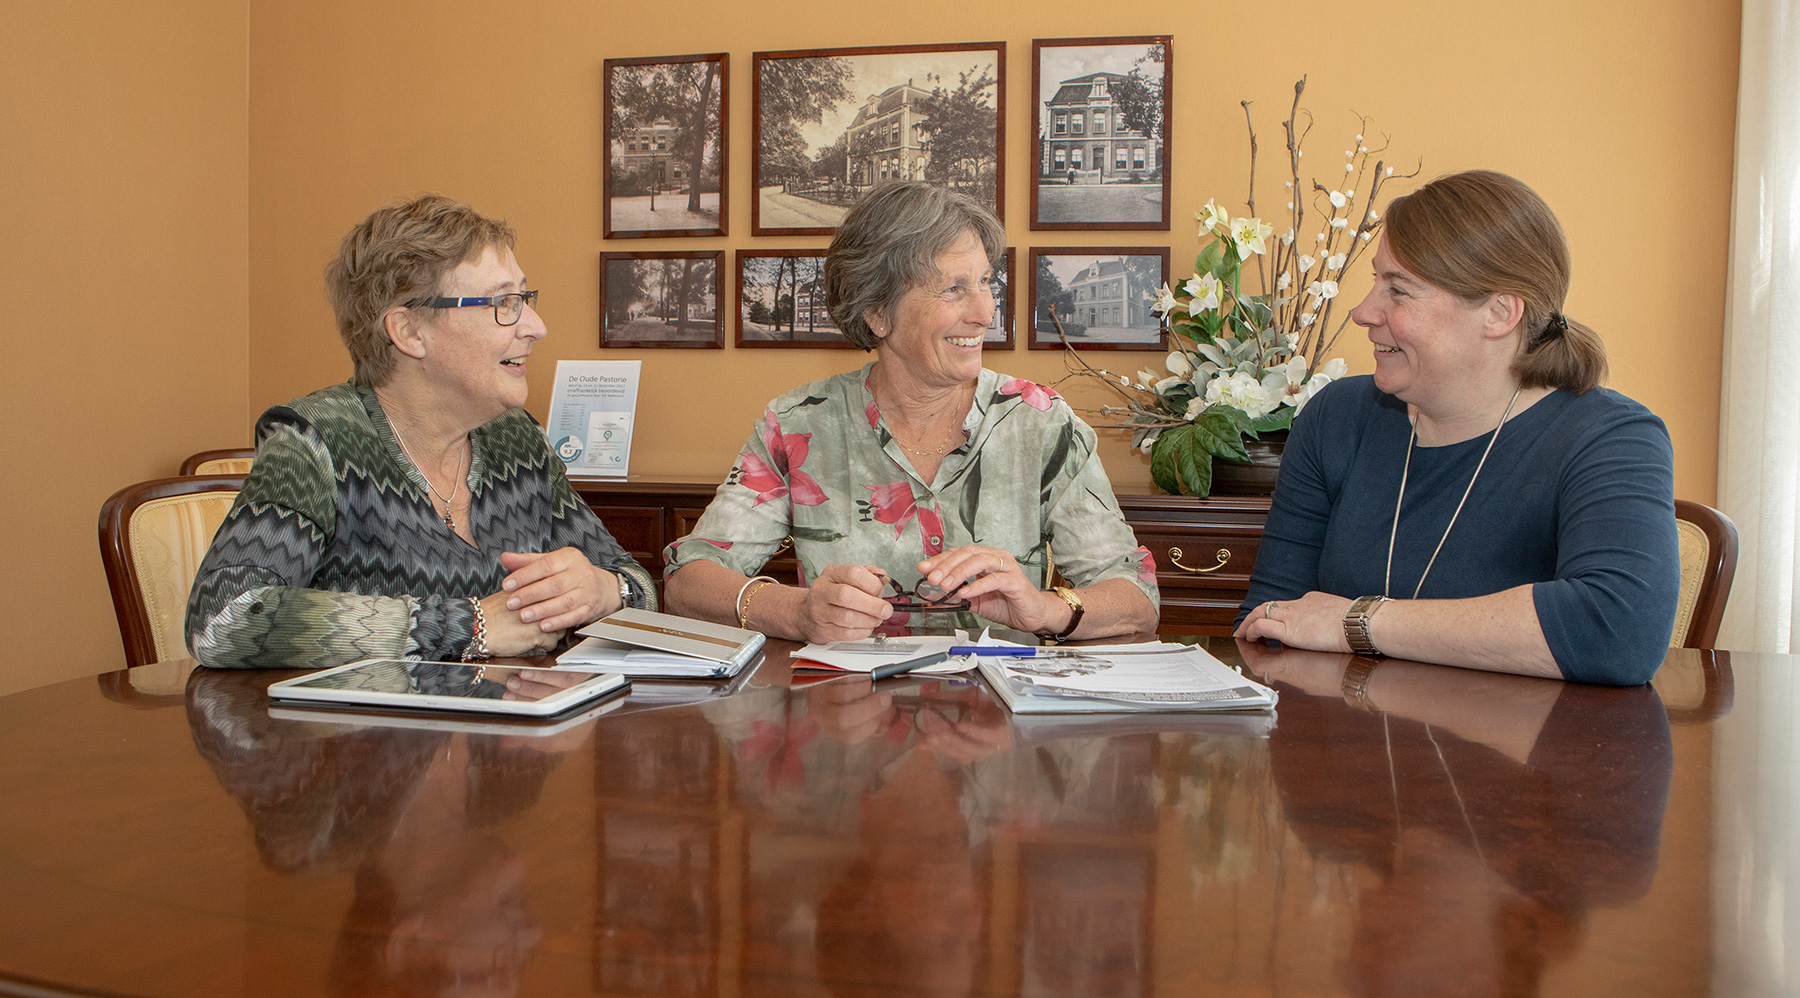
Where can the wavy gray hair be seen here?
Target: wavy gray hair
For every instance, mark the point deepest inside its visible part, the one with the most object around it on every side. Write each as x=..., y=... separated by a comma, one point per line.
x=889, y=244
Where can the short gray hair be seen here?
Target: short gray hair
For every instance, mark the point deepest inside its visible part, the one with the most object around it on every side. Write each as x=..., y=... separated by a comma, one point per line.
x=889, y=244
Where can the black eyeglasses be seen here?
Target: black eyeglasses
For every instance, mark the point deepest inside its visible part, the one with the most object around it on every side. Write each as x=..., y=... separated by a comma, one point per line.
x=508, y=308
x=927, y=598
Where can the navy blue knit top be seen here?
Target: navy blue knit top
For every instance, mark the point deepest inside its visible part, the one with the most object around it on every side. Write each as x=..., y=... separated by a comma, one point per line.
x=1577, y=498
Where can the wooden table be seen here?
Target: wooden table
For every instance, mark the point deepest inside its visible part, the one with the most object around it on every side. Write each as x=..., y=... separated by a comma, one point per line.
x=1469, y=834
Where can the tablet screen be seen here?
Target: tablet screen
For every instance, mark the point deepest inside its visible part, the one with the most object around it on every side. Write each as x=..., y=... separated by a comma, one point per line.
x=449, y=686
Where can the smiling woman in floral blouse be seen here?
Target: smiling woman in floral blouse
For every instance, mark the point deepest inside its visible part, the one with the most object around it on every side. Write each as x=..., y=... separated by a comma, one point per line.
x=922, y=471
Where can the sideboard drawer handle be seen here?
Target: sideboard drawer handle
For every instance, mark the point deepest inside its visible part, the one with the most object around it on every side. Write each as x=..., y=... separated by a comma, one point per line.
x=1223, y=554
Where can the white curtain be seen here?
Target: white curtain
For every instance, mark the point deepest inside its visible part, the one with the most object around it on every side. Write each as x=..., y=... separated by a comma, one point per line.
x=1759, y=410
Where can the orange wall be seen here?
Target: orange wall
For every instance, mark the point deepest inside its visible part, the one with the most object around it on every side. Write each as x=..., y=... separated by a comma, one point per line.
x=125, y=199
x=1621, y=117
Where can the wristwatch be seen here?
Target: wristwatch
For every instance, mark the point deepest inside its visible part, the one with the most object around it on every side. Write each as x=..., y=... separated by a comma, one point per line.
x=1356, y=624
x=1356, y=682
x=1068, y=596
x=624, y=589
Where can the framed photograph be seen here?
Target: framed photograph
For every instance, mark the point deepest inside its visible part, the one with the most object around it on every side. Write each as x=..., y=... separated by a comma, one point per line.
x=1000, y=330
x=668, y=299
x=781, y=300
x=1101, y=108
x=665, y=146
x=1102, y=297
x=832, y=123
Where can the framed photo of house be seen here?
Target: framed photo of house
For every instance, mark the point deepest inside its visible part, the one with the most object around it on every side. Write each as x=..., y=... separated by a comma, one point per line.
x=665, y=146
x=781, y=300
x=1103, y=297
x=1000, y=330
x=1101, y=107
x=666, y=299
x=832, y=123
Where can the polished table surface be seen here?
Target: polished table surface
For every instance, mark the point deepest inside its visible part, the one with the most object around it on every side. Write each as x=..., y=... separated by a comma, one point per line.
x=162, y=834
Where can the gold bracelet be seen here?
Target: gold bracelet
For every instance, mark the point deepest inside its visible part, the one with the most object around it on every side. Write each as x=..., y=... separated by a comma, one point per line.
x=746, y=594
x=477, y=648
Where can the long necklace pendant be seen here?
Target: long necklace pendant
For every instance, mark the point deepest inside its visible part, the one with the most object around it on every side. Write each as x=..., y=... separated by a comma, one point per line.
x=448, y=522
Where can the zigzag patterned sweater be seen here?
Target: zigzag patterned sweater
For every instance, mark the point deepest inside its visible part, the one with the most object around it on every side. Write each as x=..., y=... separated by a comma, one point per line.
x=333, y=552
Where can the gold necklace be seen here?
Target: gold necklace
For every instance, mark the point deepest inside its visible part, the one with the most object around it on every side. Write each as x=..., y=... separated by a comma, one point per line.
x=432, y=493
x=1388, y=580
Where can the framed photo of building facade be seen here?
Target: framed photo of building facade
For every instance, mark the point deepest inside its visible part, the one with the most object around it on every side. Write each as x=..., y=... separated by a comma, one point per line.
x=1103, y=297
x=781, y=300
x=665, y=146
x=832, y=123
x=668, y=299
x=1102, y=111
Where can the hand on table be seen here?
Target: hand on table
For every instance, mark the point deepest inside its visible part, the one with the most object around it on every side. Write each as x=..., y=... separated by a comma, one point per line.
x=996, y=588
x=843, y=604
x=558, y=590
x=508, y=636
x=850, y=709
x=1314, y=622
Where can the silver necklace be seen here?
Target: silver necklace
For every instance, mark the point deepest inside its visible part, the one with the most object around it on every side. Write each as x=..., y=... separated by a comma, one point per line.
x=1388, y=579
x=455, y=483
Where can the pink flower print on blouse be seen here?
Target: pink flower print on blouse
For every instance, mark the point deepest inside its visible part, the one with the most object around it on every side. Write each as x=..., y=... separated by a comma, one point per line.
x=890, y=503
x=787, y=452
x=931, y=528
x=1146, y=567
x=873, y=413
x=1036, y=396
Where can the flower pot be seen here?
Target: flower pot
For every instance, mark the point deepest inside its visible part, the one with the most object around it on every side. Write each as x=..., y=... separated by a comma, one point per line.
x=1257, y=478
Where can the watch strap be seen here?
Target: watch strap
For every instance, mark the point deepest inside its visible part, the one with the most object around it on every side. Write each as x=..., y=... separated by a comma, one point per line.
x=1076, y=610
x=1356, y=682
x=1356, y=624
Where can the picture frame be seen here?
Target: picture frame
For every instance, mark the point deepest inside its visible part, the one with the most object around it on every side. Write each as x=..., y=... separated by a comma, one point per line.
x=662, y=299
x=1101, y=112
x=999, y=334
x=666, y=123
x=830, y=124
x=1104, y=296
x=764, y=309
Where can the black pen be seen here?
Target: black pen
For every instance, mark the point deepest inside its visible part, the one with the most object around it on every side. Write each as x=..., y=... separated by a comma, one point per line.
x=898, y=668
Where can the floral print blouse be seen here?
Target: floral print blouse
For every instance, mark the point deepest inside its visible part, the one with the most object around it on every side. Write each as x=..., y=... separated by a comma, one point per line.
x=822, y=467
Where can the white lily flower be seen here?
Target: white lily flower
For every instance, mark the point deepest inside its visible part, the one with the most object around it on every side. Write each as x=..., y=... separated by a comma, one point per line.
x=1334, y=369
x=1335, y=261
x=1165, y=300
x=1162, y=387
x=1337, y=199
x=1145, y=378
x=1213, y=218
x=1179, y=363
x=1282, y=282
x=1306, y=263
x=1249, y=235
x=1242, y=391
x=1203, y=293
x=1338, y=223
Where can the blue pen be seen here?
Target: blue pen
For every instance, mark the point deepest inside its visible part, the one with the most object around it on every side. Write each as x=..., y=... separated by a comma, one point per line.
x=1008, y=651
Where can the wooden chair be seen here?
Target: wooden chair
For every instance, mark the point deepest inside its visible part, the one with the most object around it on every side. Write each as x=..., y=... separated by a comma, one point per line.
x=231, y=461
x=1709, y=551
x=152, y=537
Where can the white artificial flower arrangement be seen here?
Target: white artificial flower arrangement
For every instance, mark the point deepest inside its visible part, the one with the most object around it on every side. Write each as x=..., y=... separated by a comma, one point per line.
x=1241, y=361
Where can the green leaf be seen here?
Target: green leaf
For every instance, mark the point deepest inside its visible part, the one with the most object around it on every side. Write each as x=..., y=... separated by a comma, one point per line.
x=816, y=535
x=1212, y=352
x=1280, y=419
x=1209, y=257
x=1181, y=459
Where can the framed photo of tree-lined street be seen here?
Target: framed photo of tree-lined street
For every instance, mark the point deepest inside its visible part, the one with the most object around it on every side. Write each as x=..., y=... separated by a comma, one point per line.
x=832, y=123
x=781, y=300
x=665, y=146
x=1102, y=297
x=1101, y=110
x=667, y=299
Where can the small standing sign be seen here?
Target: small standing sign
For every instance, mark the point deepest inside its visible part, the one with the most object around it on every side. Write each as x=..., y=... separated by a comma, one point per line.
x=591, y=416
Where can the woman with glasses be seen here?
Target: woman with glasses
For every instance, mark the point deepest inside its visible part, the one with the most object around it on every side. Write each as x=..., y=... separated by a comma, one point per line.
x=416, y=510
x=921, y=482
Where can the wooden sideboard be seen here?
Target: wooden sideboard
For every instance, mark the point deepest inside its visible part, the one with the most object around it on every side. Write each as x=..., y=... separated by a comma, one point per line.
x=1204, y=548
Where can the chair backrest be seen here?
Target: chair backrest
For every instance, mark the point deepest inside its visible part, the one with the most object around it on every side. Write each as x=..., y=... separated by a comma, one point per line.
x=1709, y=551
x=152, y=537
x=231, y=461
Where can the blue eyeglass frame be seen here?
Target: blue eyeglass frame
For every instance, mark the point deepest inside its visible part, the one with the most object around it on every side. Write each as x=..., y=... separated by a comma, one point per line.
x=492, y=301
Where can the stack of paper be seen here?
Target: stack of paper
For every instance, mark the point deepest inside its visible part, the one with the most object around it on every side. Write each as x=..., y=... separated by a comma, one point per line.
x=868, y=654
x=646, y=644
x=1121, y=678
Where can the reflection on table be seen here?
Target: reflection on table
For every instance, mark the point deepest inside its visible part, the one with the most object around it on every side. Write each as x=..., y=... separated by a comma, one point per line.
x=1451, y=832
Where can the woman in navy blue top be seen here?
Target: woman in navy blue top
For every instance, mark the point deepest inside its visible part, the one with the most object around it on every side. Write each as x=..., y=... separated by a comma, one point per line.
x=1478, y=501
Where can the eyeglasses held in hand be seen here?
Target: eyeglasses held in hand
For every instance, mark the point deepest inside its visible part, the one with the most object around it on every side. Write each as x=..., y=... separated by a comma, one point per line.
x=927, y=598
x=508, y=308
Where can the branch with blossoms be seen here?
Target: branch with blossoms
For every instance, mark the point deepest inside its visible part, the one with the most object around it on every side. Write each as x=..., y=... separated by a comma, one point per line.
x=1240, y=364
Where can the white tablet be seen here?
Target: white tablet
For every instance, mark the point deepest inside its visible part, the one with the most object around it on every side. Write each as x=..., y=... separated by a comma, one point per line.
x=421, y=720
x=451, y=686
